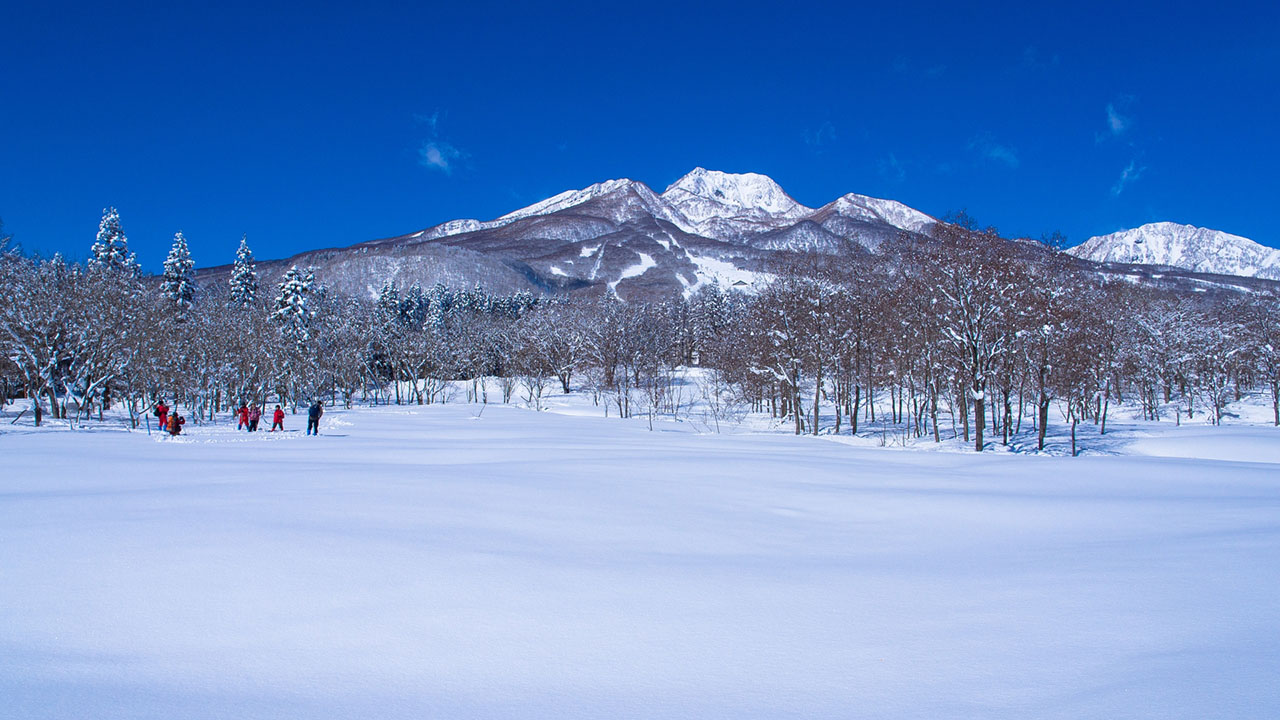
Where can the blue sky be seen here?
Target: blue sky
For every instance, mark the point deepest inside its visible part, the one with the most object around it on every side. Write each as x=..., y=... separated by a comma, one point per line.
x=308, y=126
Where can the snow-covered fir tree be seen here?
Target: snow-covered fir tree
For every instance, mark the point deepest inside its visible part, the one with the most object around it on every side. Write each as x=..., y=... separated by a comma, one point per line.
x=388, y=305
x=439, y=303
x=244, y=276
x=179, y=283
x=111, y=248
x=6, y=241
x=414, y=306
x=293, y=313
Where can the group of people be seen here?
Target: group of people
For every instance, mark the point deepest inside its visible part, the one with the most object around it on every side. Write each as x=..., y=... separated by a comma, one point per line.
x=246, y=418
x=170, y=422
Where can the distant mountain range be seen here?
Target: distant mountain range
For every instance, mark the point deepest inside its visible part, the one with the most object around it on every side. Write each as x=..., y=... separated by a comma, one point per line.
x=622, y=238
x=1183, y=246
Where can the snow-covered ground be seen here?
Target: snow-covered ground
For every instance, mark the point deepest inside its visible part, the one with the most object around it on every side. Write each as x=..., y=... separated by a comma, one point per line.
x=441, y=562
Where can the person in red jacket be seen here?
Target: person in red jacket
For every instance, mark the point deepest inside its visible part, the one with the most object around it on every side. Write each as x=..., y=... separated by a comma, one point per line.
x=242, y=416
x=162, y=414
x=277, y=420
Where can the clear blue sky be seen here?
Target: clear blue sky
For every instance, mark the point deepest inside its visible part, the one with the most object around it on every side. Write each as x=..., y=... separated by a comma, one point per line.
x=309, y=127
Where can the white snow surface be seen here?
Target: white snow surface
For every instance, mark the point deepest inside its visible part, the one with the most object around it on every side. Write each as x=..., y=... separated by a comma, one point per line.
x=1184, y=246
x=715, y=270
x=568, y=199
x=891, y=212
x=646, y=262
x=437, y=561
x=704, y=194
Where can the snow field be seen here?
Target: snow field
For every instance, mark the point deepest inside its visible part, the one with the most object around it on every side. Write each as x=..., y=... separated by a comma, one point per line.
x=440, y=562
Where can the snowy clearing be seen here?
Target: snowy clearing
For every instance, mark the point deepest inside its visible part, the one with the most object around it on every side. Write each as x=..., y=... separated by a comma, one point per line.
x=640, y=268
x=724, y=272
x=440, y=562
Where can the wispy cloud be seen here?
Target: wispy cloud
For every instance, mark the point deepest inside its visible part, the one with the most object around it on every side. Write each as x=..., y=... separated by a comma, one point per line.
x=1119, y=118
x=987, y=146
x=891, y=169
x=1128, y=176
x=1117, y=122
x=439, y=155
x=824, y=135
x=436, y=153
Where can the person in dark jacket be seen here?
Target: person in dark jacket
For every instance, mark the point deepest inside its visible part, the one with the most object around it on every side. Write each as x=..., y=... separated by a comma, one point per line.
x=313, y=417
x=176, y=422
x=254, y=416
x=277, y=420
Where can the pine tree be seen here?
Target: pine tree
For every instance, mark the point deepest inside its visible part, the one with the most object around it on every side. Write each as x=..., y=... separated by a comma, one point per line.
x=387, y=309
x=179, y=284
x=293, y=311
x=244, y=277
x=413, y=308
x=5, y=241
x=111, y=249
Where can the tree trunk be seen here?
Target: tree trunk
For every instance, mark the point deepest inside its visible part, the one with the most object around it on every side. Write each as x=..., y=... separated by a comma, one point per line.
x=839, y=403
x=1008, y=418
x=979, y=419
x=795, y=409
x=817, y=394
x=53, y=404
x=853, y=416
x=1275, y=398
x=933, y=411
x=1106, y=403
x=1043, y=419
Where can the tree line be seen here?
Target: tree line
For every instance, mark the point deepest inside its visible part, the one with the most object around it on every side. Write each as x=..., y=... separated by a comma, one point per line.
x=965, y=337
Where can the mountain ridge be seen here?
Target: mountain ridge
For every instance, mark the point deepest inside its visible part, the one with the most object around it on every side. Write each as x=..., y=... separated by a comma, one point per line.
x=1188, y=247
x=622, y=238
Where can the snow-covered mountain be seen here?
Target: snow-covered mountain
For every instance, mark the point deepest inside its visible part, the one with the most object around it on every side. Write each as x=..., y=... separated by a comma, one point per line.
x=621, y=237
x=1183, y=246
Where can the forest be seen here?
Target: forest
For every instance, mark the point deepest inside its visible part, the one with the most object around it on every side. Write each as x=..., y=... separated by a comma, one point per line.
x=966, y=338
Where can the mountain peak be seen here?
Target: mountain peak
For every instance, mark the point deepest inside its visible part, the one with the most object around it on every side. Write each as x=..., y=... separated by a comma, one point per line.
x=1183, y=246
x=704, y=194
x=570, y=198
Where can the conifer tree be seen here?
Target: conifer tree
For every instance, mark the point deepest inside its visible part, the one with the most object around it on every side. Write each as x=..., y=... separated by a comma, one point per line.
x=387, y=309
x=111, y=248
x=244, y=276
x=293, y=313
x=179, y=284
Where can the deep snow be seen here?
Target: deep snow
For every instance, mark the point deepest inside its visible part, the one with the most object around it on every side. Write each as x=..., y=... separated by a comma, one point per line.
x=426, y=562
